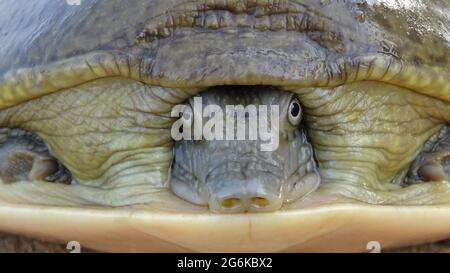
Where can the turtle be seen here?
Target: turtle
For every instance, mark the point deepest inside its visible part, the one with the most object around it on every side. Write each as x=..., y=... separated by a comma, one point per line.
x=88, y=90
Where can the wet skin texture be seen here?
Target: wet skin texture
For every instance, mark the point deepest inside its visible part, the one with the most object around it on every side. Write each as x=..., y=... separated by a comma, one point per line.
x=86, y=93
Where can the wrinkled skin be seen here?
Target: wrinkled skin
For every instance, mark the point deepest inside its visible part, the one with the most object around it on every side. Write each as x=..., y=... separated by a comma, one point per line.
x=96, y=84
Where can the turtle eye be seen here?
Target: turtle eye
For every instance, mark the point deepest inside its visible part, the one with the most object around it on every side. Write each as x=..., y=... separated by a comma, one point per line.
x=294, y=112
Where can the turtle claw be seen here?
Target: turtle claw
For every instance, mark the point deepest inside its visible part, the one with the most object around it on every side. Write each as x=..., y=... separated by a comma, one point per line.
x=433, y=172
x=26, y=158
x=434, y=166
x=433, y=163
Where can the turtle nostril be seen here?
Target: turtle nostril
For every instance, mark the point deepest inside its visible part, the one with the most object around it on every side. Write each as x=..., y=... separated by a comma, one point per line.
x=244, y=203
x=260, y=202
x=231, y=202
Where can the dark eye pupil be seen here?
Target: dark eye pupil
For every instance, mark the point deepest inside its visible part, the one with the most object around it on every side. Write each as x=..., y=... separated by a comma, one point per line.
x=295, y=109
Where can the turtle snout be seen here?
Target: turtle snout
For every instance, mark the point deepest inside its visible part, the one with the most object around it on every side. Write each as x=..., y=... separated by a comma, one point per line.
x=245, y=203
x=241, y=195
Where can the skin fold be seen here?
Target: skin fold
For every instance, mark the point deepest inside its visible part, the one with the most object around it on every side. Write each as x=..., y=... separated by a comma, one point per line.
x=86, y=94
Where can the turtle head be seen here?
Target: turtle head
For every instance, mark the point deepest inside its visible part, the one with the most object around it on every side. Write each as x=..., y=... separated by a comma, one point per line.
x=243, y=149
